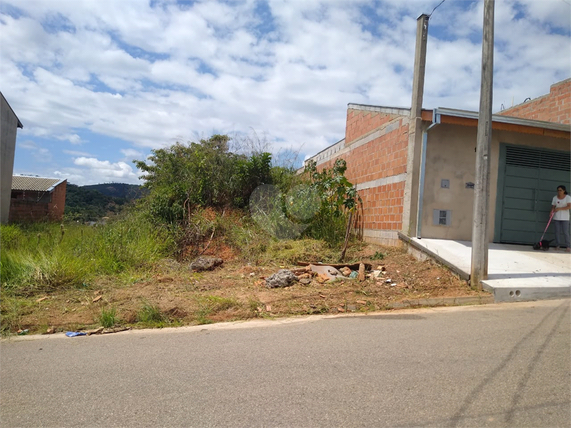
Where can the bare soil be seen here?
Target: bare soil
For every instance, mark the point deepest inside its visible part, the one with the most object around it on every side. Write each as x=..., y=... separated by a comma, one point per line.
x=235, y=291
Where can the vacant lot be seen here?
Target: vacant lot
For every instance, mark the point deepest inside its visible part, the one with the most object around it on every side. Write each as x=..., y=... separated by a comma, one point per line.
x=171, y=295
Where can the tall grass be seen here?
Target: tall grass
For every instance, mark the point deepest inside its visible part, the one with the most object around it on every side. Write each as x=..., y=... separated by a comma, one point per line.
x=43, y=257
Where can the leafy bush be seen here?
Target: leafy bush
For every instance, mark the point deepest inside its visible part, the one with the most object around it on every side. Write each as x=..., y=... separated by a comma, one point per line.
x=205, y=174
x=338, y=198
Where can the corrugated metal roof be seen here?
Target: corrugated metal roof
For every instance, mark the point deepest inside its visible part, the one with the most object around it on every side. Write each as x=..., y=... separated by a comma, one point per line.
x=39, y=184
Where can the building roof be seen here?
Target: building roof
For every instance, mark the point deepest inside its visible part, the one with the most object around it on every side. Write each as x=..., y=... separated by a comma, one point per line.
x=38, y=184
x=12, y=110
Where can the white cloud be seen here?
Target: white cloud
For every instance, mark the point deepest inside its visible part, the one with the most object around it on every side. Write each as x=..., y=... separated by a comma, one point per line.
x=77, y=153
x=151, y=76
x=40, y=154
x=107, y=171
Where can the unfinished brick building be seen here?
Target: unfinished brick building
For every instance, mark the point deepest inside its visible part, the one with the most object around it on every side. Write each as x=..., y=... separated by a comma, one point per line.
x=37, y=199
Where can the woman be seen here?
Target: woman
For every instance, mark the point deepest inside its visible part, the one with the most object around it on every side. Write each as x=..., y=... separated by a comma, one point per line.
x=560, y=210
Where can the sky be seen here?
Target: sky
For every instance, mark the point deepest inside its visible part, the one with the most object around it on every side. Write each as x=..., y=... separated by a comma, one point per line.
x=98, y=84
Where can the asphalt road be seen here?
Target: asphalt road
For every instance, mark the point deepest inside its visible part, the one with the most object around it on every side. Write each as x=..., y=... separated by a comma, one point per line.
x=487, y=366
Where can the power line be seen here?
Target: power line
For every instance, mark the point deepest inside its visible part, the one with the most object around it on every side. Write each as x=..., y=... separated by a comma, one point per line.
x=436, y=8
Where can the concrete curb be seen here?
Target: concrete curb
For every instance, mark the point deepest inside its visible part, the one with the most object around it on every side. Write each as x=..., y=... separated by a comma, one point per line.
x=464, y=275
x=443, y=301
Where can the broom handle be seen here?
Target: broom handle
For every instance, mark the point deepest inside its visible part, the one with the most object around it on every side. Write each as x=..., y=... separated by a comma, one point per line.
x=548, y=223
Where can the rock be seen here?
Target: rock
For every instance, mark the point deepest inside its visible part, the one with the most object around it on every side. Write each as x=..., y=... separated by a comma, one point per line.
x=283, y=278
x=94, y=331
x=50, y=330
x=205, y=263
x=361, y=272
x=305, y=281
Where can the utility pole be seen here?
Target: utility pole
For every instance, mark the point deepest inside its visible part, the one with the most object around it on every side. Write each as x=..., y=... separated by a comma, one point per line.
x=411, y=186
x=479, y=270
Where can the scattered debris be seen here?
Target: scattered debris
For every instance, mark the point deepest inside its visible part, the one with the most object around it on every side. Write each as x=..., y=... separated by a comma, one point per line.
x=361, y=302
x=268, y=308
x=283, y=278
x=50, y=330
x=377, y=273
x=75, y=333
x=205, y=263
x=346, y=271
x=361, y=272
x=94, y=331
x=388, y=280
x=325, y=272
x=41, y=299
x=354, y=274
x=354, y=266
x=165, y=279
x=115, y=330
x=23, y=332
x=97, y=299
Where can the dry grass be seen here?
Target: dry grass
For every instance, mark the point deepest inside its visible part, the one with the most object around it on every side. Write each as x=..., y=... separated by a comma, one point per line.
x=236, y=291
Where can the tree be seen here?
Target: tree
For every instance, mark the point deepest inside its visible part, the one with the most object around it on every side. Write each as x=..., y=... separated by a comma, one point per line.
x=206, y=174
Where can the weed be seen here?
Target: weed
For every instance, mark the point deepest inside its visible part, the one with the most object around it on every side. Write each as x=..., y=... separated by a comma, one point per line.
x=378, y=256
x=108, y=317
x=151, y=314
x=209, y=305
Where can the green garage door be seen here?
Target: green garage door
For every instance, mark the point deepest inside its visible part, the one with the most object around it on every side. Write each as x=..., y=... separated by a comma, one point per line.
x=527, y=181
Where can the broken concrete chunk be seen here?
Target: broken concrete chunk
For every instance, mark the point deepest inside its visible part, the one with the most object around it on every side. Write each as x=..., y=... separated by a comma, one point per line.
x=328, y=272
x=345, y=271
x=205, y=263
x=361, y=272
x=283, y=278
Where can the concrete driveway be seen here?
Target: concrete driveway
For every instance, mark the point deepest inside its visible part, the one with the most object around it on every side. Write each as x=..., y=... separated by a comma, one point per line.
x=515, y=272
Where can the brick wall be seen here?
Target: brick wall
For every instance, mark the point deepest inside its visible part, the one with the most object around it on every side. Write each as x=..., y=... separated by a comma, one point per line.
x=553, y=107
x=57, y=206
x=30, y=206
x=375, y=149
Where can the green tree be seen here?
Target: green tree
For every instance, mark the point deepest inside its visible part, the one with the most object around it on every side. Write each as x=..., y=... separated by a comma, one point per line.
x=205, y=174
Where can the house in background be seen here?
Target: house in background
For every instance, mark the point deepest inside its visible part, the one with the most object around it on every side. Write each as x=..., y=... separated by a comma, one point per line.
x=9, y=123
x=415, y=168
x=37, y=199
x=529, y=159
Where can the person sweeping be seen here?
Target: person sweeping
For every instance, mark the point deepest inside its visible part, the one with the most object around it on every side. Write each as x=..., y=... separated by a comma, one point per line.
x=560, y=210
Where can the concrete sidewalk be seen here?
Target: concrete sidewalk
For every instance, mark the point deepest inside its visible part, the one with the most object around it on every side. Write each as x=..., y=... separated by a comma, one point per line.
x=515, y=272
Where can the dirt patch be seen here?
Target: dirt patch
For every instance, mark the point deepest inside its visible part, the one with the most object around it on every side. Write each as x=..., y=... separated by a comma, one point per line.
x=174, y=295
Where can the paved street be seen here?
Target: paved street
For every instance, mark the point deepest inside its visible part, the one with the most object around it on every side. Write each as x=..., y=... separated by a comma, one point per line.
x=502, y=365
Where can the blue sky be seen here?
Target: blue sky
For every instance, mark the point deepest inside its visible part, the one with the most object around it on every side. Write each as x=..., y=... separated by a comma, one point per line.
x=100, y=83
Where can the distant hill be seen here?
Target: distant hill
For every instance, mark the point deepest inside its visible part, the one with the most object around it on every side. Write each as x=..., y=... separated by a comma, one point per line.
x=91, y=203
x=119, y=190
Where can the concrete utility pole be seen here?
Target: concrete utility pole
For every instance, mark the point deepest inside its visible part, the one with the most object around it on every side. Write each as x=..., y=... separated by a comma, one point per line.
x=479, y=270
x=415, y=128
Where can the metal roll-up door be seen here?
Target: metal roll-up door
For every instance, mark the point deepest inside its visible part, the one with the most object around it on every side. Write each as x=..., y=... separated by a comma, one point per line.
x=530, y=179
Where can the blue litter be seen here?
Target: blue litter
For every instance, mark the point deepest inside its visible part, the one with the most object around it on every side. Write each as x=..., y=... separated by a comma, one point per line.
x=74, y=333
x=354, y=274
